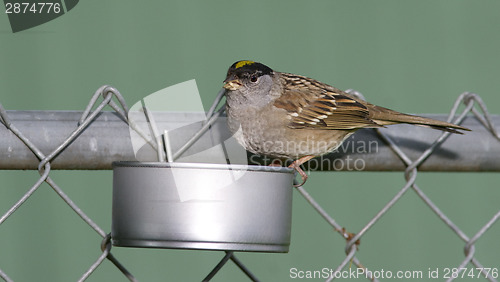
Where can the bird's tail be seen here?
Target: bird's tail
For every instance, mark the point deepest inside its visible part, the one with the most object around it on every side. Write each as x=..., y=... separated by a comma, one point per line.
x=384, y=116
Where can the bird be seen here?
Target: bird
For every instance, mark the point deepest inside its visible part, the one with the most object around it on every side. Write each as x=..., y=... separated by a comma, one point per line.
x=290, y=116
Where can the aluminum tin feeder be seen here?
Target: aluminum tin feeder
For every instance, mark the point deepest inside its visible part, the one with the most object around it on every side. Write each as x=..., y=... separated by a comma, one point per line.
x=202, y=206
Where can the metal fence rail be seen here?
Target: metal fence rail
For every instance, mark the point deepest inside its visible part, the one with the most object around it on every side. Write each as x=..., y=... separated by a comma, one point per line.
x=25, y=145
x=108, y=140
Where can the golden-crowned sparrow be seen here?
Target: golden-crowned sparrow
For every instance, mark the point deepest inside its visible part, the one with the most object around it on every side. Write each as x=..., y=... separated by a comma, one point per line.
x=291, y=116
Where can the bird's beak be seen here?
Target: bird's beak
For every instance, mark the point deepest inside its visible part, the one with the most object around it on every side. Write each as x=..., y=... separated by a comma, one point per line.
x=232, y=84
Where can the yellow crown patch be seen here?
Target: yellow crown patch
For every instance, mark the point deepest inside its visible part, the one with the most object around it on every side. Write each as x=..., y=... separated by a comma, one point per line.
x=243, y=63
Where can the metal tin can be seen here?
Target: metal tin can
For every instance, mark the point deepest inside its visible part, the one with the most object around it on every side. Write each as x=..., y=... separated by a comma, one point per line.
x=202, y=206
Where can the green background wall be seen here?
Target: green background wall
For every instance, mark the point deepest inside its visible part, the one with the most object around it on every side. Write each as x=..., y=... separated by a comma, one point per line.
x=413, y=56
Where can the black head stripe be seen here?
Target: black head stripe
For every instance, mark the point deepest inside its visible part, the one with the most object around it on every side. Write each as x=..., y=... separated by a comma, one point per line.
x=246, y=68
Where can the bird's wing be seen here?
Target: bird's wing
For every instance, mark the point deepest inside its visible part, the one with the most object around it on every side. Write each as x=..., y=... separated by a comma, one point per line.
x=312, y=104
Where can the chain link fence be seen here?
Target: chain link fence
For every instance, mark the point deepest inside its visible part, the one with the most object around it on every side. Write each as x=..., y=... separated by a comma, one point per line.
x=473, y=105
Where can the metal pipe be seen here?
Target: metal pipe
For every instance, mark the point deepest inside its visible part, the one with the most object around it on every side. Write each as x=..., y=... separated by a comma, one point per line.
x=107, y=139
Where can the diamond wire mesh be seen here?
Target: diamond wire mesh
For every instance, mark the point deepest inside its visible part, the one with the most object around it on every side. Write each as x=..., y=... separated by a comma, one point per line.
x=107, y=92
x=469, y=99
x=44, y=170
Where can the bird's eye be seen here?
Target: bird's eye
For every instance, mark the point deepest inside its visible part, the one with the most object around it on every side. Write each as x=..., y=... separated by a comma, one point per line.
x=253, y=78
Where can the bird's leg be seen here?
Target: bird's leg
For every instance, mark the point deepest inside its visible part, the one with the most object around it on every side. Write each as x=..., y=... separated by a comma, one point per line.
x=296, y=165
x=276, y=163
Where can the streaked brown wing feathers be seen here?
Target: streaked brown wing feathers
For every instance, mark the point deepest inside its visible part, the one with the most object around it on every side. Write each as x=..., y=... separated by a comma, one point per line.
x=310, y=103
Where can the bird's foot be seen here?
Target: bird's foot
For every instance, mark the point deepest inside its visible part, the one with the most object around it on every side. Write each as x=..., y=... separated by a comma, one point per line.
x=296, y=165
